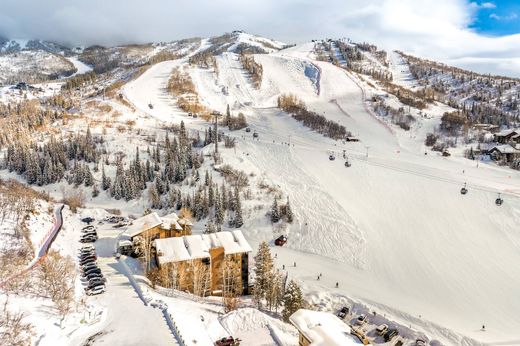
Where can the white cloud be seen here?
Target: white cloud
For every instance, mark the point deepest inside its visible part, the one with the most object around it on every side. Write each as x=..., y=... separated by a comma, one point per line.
x=484, y=5
x=508, y=17
x=436, y=29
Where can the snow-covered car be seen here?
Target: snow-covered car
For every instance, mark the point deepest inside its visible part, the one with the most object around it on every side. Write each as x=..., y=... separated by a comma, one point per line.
x=95, y=282
x=280, y=241
x=343, y=312
x=87, y=252
x=382, y=329
x=88, y=239
x=90, y=263
x=362, y=319
x=392, y=333
x=95, y=270
x=88, y=227
x=95, y=290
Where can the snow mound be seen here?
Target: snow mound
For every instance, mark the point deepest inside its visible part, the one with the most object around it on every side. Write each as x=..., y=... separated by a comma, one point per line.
x=248, y=324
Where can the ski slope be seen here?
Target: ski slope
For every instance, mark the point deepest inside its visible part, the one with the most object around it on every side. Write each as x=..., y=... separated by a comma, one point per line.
x=393, y=229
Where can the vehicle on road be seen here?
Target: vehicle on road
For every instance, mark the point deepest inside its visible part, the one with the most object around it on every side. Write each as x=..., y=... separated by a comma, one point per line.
x=362, y=319
x=150, y=106
x=343, y=312
x=280, y=241
x=382, y=329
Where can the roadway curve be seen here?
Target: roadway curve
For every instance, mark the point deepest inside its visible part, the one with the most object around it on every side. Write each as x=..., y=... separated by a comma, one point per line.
x=44, y=245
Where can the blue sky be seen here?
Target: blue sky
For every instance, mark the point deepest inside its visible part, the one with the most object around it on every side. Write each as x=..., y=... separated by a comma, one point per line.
x=497, y=18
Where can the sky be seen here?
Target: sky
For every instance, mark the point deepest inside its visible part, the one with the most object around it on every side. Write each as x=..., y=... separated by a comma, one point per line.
x=480, y=35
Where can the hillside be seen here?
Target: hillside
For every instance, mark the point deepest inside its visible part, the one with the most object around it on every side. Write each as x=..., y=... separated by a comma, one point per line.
x=333, y=128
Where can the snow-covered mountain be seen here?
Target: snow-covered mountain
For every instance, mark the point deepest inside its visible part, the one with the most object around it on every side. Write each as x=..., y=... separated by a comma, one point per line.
x=18, y=45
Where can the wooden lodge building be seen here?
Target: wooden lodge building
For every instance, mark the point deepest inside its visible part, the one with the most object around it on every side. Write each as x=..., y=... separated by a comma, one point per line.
x=154, y=226
x=211, y=254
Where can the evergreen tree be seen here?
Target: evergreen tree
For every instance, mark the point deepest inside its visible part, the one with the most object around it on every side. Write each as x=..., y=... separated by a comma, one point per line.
x=238, y=221
x=95, y=191
x=292, y=300
x=263, y=273
x=155, y=200
x=275, y=211
x=288, y=212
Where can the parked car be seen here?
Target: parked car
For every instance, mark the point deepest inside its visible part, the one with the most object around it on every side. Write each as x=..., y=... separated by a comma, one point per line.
x=88, y=239
x=95, y=270
x=229, y=341
x=420, y=342
x=87, y=254
x=87, y=219
x=88, y=269
x=87, y=247
x=96, y=276
x=90, y=232
x=382, y=329
x=95, y=282
x=362, y=319
x=88, y=227
x=392, y=333
x=343, y=312
x=248, y=129
x=88, y=263
x=280, y=241
x=255, y=134
x=95, y=290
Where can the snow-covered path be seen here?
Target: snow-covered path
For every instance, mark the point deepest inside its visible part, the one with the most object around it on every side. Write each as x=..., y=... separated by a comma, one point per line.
x=393, y=229
x=129, y=320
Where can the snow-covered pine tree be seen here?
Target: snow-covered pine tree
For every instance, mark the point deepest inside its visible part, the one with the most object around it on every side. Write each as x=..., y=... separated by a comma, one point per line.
x=292, y=300
x=238, y=220
x=263, y=272
x=275, y=211
x=95, y=191
x=89, y=179
x=105, y=181
x=288, y=212
x=155, y=200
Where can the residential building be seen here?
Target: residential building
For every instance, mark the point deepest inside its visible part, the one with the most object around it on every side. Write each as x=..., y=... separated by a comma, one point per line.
x=206, y=264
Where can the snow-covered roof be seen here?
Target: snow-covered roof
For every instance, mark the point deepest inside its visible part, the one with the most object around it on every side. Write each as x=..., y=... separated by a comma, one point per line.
x=505, y=149
x=143, y=223
x=505, y=133
x=197, y=246
x=322, y=328
x=171, y=220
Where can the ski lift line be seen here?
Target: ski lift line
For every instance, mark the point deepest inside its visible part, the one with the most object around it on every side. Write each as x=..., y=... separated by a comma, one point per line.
x=361, y=156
